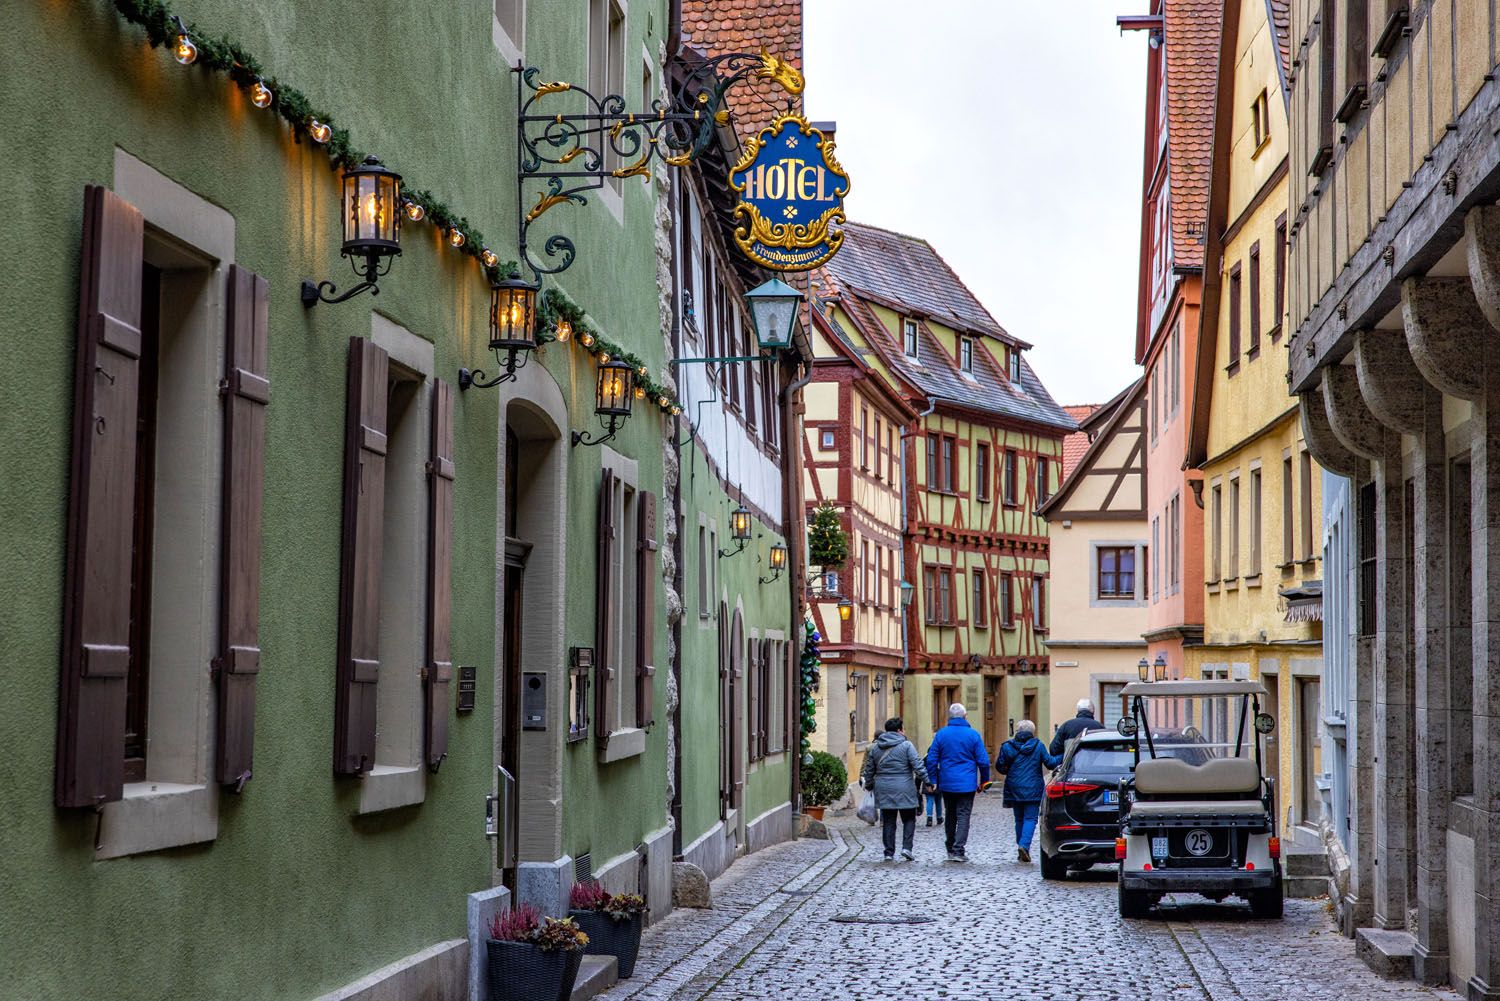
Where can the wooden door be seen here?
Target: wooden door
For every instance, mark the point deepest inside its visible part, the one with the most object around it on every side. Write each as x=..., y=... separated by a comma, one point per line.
x=1272, y=764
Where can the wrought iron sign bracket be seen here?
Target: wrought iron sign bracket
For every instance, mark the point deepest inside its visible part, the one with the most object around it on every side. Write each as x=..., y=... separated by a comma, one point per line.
x=577, y=144
x=725, y=360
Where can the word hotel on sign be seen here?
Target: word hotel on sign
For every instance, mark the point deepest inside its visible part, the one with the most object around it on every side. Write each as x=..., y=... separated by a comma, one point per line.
x=790, y=179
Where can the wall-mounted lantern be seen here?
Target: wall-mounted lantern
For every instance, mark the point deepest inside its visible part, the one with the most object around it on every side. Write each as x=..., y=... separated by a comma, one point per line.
x=898, y=683
x=773, y=307
x=512, y=332
x=613, y=397
x=1143, y=669
x=908, y=592
x=1161, y=667
x=371, y=206
x=846, y=609
x=739, y=531
x=778, y=563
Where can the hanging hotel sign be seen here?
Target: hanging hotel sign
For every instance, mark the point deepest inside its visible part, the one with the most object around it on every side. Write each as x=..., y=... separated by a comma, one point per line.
x=791, y=196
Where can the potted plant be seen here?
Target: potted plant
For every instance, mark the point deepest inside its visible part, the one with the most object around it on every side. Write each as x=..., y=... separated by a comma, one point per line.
x=533, y=958
x=612, y=921
x=824, y=781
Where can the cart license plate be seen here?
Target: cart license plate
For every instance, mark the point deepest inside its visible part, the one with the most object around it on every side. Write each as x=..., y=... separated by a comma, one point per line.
x=1110, y=797
x=1159, y=846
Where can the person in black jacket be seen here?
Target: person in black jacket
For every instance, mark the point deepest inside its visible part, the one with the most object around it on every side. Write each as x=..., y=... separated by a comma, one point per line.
x=1075, y=727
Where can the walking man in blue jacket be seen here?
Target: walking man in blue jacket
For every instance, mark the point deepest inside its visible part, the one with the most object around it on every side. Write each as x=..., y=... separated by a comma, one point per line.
x=958, y=764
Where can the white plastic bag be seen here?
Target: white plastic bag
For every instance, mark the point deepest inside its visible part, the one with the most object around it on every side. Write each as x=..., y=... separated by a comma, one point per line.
x=867, y=811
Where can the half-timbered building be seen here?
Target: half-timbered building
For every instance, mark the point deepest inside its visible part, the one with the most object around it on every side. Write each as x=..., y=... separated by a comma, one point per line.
x=1099, y=545
x=854, y=426
x=983, y=453
x=1394, y=303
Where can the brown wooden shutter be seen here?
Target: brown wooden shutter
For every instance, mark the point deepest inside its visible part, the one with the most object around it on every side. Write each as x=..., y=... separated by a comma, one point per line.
x=101, y=505
x=359, y=592
x=604, y=667
x=648, y=579
x=246, y=393
x=439, y=667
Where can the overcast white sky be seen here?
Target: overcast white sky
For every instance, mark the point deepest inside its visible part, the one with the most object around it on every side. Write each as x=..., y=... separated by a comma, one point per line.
x=1009, y=136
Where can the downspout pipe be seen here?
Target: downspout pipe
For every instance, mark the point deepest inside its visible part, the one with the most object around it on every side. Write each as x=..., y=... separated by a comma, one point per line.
x=792, y=409
x=905, y=522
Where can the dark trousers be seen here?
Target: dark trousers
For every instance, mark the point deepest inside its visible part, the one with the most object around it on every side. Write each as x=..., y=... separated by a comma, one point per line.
x=888, y=828
x=956, y=809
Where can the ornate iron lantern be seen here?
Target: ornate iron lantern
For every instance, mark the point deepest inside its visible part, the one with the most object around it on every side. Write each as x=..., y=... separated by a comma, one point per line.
x=846, y=609
x=613, y=396
x=1144, y=669
x=1161, y=667
x=773, y=307
x=778, y=563
x=512, y=332
x=372, y=229
x=739, y=531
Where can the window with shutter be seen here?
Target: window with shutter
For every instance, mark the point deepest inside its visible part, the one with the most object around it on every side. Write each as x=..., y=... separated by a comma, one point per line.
x=438, y=672
x=246, y=393
x=648, y=579
x=604, y=599
x=365, y=447
x=755, y=696
x=97, y=598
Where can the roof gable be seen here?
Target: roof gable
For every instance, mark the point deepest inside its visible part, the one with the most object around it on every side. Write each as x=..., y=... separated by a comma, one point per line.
x=1190, y=56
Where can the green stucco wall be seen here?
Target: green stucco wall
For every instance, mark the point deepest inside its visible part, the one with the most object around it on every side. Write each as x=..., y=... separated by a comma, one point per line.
x=296, y=895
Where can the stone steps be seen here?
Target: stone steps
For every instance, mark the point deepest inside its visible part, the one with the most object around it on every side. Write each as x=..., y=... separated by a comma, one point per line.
x=1388, y=953
x=1305, y=863
x=1304, y=886
x=596, y=975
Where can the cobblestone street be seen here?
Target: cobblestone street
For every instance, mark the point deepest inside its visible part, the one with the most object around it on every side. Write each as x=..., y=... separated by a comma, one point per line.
x=998, y=931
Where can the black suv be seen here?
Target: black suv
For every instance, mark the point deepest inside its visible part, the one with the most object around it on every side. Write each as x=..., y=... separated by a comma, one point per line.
x=1080, y=817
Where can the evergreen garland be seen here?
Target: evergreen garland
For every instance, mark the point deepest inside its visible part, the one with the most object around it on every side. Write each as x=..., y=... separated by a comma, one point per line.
x=556, y=308
x=226, y=56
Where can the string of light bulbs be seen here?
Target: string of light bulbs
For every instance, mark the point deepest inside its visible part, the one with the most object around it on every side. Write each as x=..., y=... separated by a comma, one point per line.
x=190, y=46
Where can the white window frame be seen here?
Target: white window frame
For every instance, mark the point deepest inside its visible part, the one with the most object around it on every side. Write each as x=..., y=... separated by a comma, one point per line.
x=512, y=48
x=909, y=338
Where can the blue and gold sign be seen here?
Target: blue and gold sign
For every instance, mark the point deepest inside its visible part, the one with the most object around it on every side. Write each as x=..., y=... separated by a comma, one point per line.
x=791, y=193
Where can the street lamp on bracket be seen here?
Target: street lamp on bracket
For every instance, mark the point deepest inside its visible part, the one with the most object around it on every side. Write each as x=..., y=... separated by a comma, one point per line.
x=370, y=203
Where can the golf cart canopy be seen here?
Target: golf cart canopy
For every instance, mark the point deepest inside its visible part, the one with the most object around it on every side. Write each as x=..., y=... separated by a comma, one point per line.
x=1190, y=689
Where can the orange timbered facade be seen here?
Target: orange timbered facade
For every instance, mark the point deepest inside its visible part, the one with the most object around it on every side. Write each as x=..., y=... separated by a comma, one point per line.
x=981, y=453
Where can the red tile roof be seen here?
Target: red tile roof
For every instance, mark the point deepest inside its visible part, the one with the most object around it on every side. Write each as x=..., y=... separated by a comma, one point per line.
x=1192, y=53
x=1077, y=443
x=716, y=27
x=1281, y=25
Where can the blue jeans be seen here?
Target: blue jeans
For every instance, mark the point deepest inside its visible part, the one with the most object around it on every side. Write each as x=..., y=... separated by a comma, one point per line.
x=1025, y=823
x=934, y=799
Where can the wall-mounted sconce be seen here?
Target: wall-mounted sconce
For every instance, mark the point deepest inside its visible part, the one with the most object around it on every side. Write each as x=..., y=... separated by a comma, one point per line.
x=1161, y=667
x=512, y=332
x=739, y=531
x=908, y=592
x=1143, y=669
x=846, y=609
x=778, y=563
x=878, y=685
x=612, y=400
x=898, y=683
x=371, y=207
x=773, y=307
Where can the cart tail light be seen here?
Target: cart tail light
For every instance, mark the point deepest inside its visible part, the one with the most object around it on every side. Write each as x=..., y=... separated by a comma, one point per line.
x=1249, y=866
x=1119, y=849
x=1068, y=827
x=1274, y=846
x=1058, y=790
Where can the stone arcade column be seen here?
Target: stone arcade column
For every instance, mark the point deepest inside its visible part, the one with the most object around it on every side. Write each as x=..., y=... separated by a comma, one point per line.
x=1397, y=394
x=1483, y=228
x=1391, y=747
x=1354, y=908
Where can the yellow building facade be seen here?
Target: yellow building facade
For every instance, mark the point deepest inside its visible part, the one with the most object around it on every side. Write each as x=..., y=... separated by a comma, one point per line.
x=1261, y=493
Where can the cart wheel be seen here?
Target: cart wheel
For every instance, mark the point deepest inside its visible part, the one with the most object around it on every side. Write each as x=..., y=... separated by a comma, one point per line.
x=1267, y=903
x=1134, y=903
x=1052, y=868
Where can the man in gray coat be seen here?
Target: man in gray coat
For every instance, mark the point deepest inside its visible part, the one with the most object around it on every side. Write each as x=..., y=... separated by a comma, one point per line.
x=895, y=771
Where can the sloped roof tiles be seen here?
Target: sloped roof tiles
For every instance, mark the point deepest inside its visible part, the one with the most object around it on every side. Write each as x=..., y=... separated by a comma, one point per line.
x=1191, y=53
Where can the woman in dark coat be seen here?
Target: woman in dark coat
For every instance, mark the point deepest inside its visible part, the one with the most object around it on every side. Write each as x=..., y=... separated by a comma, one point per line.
x=1020, y=760
x=895, y=771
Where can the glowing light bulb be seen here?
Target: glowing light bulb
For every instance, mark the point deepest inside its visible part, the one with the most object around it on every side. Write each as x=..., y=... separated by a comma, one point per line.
x=676, y=410
x=563, y=331
x=664, y=402
x=260, y=95
x=370, y=206
x=603, y=357
x=642, y=372
x=587, y=340
x=319, y=131
x=184, y=51
x=489, y=257
x=415, y=212
x=455, y=237
x=640, y=392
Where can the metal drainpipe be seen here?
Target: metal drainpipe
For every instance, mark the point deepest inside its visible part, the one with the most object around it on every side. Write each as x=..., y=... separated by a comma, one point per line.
x=791, y=490
x=905, y=638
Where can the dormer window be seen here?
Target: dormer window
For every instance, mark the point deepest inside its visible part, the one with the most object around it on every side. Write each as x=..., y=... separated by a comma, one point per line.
x=966, y=354
x=909, y=337
x=1015, y=366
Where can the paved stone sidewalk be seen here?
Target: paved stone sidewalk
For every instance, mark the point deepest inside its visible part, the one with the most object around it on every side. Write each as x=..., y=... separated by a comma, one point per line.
x=997, y=931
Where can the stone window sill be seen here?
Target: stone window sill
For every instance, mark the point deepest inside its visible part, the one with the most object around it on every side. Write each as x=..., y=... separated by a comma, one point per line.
x=1252, y=580
x=623, y=744
x=390, y=787
x=157, y=815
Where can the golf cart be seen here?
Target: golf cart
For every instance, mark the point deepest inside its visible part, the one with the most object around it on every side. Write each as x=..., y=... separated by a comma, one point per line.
x=1199, y=818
